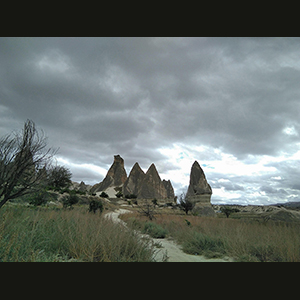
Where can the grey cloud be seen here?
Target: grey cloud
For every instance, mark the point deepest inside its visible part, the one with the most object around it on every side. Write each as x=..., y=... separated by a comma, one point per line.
x=96, y=97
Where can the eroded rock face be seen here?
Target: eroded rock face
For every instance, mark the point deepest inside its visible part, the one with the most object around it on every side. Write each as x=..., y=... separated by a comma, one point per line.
x=144, y=186
x=134, y=180
x=198, y=184
x=152, y=186
x=169, y=188
x=116, y=176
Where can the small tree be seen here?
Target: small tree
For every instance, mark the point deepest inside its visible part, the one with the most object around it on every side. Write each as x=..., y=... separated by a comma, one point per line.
x=148, y=210
x=228, y=210
x=59, y=177
x=23, y=161
x=185, y=204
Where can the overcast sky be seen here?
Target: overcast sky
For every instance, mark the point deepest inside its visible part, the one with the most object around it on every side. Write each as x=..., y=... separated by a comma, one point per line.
x=232, y=104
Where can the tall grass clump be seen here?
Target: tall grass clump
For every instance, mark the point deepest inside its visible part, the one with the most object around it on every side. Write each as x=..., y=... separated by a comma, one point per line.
x=201, y=244
x=154, y=230
x=242, y=240
x=66, y=235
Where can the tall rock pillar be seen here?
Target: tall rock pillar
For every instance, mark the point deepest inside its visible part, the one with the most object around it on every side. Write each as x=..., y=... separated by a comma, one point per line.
x=199, y=191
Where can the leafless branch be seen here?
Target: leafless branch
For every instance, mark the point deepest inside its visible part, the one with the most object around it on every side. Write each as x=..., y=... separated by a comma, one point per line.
x=23, y=161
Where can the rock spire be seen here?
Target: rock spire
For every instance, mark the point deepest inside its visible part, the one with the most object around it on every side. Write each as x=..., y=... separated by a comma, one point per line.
x=116, y=176
x=134, y=180
x=198, y=184
x=144, y=185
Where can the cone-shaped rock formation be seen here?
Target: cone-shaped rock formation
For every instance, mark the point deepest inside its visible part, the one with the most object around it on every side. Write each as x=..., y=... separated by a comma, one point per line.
x=116, y=176
x=198, y=184
x=134, y=180
x=144, y=186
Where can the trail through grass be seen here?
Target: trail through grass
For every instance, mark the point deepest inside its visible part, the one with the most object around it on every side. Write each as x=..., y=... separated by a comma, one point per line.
x=235, y=238
x=66, y=235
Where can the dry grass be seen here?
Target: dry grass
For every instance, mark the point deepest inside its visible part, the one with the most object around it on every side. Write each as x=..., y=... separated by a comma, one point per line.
x=244, y=241
x=64, y=235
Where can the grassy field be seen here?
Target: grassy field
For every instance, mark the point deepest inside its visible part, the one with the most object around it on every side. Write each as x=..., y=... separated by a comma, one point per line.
x=240, y=239
x=33, y=235
x=64, y=235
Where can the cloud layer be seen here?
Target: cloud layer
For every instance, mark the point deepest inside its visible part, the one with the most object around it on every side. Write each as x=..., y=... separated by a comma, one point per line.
x=230, y=103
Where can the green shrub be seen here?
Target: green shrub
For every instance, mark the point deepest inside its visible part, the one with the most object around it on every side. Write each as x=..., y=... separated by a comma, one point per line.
x=131, y=196
x=119, y=194
x=198, y=243
x=264, y=253
x=104, y=195
x=95, y=205
x=154, y=230
x=70, y=200
x=41, y=197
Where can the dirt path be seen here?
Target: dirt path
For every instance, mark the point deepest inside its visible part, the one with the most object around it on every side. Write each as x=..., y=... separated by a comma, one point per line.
x=169, y=249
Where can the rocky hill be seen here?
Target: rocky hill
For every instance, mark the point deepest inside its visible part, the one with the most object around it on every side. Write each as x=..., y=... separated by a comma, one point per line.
x=116, y=176
x=144, y=186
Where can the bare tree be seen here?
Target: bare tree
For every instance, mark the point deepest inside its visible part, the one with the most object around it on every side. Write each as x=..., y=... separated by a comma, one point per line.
x=23, y=162
x=185, y=204
x=148, y=210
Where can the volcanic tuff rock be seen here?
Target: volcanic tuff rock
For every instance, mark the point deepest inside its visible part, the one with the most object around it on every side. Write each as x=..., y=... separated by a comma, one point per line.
x=198, y=184
x=145, y=186
x=199, y=190
x=169, y=188
x=152, y=186
x=134, y=180
x=115, y=176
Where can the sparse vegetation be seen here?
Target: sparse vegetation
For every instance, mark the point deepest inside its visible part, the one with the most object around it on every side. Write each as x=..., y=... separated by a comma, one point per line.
x=227, y=210
x=236, y=238
x=66, y=235
x=148, y=210
x=154, y=230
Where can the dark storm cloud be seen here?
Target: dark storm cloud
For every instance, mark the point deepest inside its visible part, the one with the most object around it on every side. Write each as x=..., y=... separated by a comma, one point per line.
x=96, y=97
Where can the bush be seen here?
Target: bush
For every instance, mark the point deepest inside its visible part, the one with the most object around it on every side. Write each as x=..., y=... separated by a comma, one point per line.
x=131, y=196
x=42, y=197
x=228, y=210
x=95, y=205
x=154, y=230
x=70, y=200
x=119, y=194
x=104, y=195
x=154, y=201
x=199, y=243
